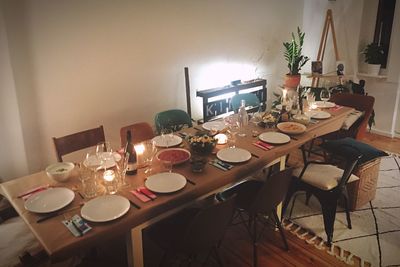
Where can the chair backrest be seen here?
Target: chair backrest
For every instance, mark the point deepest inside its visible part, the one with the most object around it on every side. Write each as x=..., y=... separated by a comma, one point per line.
x=77, y=141
x=141, y=131
x=207, y=227
x=250, y=98
x=362, y=103
x=272, y=192
x=174, y=119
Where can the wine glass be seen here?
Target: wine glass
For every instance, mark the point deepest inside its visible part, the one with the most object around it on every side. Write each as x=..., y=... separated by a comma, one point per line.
x=122, y=166
x=233, y=128
x=166, y=136
x=104, y=153
x=325, y=95
x=150, y=150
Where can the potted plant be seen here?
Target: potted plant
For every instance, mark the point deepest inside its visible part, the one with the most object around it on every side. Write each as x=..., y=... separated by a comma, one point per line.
x=295, y=59
x=374, y=56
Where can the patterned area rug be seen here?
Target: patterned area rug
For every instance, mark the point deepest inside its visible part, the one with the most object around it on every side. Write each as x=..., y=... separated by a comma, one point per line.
x=375, y=236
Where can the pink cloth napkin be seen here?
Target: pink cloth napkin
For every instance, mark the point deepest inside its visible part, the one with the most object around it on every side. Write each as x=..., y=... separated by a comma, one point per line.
x=337, y=107
x=25, y=195
x=263, y=145
x=143, y=194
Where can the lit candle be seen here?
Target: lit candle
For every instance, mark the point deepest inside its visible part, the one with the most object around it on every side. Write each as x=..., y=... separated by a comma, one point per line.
x=284, y=93
x=109, y=175
x=222, y=139
x=140, y=149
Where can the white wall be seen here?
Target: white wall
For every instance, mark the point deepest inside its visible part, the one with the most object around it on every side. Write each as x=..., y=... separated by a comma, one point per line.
x=12, y=156
x=79, y=64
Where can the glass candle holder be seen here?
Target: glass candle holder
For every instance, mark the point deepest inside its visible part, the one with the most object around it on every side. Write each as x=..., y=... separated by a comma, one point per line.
x=110, y=182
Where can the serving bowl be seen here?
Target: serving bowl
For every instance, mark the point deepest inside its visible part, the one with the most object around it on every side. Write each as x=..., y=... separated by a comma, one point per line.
x=60, y=171
x=202, y=144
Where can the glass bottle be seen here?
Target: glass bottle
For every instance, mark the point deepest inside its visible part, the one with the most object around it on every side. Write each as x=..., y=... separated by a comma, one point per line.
x=243, y=117
x=132, y=162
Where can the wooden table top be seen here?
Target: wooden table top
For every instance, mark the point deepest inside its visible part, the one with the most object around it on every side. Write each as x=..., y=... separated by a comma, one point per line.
x=59, y=242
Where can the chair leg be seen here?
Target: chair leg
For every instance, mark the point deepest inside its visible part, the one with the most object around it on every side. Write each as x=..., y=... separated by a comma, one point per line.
x=289, y=195
x=308, y=196
x=346, y=206
x=279, y=224
x=329, y=214
x=218, y=257
x=255, y=257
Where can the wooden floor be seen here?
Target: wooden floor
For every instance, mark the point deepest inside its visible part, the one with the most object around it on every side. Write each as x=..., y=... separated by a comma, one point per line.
x=236, y=249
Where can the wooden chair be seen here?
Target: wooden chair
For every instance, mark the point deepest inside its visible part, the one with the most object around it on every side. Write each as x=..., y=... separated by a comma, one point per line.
x=77, y=141
x=141, y=131
x=251, y=101
x=174, y=119
x=193, y=231
x=258, y=199
x=327, y=183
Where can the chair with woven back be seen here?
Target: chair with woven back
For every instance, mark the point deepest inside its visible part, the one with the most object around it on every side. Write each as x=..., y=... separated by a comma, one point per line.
x=78, y=141
x=140, y=131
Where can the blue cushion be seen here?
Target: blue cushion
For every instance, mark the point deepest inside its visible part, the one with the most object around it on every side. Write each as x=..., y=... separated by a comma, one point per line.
x=352, y=147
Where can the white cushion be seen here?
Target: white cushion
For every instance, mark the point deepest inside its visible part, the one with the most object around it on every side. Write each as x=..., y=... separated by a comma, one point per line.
x=351, y=119
x=324, y=177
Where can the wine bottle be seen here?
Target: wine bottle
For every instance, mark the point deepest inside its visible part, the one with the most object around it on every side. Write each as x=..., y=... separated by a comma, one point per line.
x=132, y=163
x=284, y=114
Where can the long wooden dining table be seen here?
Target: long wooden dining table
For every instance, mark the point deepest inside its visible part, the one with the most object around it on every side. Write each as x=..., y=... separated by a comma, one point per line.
x=59, y=243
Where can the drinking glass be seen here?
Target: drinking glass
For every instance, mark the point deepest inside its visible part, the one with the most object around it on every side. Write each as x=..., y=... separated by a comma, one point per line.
x=233, y=129
x=104, y=153
x=166, y=135
x=325, y=95
x=122, y=166
x=310, y=100
x=150, y=150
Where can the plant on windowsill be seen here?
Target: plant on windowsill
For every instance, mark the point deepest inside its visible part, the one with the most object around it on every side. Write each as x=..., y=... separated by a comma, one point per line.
x=374, y=56
x=295, y=59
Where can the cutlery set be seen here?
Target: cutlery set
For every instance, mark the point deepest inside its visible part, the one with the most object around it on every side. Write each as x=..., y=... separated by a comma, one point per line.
x=221, y=165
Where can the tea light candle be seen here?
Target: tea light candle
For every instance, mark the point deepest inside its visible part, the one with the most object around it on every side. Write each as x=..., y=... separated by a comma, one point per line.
x=110, y=181
x=222, y=139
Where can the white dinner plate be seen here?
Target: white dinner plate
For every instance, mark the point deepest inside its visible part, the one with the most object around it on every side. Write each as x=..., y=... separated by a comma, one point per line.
x=322, y=104
x=105, y=208
x=274, y=138
x=319, y=115
x=167, y=141
x=217, y=125
x=49, y=200
x=165, y=182
x=234, y=155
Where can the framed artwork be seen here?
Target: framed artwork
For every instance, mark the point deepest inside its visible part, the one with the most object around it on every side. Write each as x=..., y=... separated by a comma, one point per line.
x=316, y=67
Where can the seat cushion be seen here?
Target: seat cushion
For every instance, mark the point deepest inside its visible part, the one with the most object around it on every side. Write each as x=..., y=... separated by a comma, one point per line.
x=324, y=177
x=351, y=147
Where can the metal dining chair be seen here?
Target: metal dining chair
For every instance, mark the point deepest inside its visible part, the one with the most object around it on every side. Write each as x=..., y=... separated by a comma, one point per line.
x=174, y=119
x=193, y=231
x=258, y=199
x=77, y=141
x=327, y=183
x=141, y=131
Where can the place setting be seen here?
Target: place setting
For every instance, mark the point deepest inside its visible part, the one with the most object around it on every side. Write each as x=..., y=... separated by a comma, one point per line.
x=167, y=138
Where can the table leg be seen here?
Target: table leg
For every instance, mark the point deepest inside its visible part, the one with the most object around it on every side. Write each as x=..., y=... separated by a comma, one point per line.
x=134, y=244
x=282, y=165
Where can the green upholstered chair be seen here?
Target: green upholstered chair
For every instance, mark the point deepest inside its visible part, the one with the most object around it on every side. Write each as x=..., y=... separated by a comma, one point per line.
x=250, y=98
x=174, y=119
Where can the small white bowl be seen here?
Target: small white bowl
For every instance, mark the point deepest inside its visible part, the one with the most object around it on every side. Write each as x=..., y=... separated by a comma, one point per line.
x=60, y=171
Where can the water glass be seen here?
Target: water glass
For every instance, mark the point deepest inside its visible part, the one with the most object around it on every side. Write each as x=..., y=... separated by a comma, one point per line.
x=122, y=166
x=166, y=136
x=88, y=181
x=150, y=150
x=325, y=95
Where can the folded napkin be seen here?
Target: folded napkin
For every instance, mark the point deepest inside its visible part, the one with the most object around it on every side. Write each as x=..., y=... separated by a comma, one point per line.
x=263, y=145
x=337, y=107
x=26, y=194
x=143, y=194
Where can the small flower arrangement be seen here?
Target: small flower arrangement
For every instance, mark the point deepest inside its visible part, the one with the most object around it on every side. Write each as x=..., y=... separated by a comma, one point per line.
x=202, y=144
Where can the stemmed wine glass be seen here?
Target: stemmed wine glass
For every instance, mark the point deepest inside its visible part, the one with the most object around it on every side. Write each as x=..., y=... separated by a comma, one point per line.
x=166, y=136
x=325, y=95
x=122, y=166
x=104, y=153
x=150, y=150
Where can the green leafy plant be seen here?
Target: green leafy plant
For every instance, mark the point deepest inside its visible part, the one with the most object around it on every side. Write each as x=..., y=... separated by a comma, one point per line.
x=373, y=53
x=293, y=53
